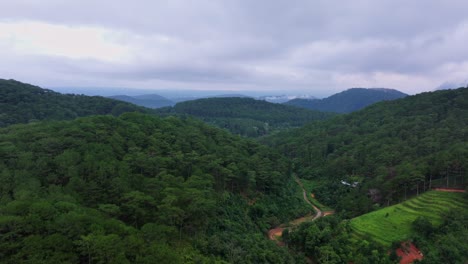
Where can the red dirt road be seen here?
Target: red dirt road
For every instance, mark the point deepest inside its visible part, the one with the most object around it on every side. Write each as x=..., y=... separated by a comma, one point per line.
x=275, y=233
x=409, y=253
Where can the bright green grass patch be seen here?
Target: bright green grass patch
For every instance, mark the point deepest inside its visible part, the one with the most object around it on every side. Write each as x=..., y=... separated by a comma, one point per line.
x=309, y=186
x=393, y=223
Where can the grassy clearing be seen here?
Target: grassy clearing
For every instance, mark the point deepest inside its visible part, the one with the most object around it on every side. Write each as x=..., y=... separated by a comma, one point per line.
x=309, y=186
x=394, y=223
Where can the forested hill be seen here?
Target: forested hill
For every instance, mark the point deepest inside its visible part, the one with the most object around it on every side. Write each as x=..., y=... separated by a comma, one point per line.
x=24, y=103
x=391, y=149
x=246, y=116
x=140, y=189
x=147, y=100
x=349, y=101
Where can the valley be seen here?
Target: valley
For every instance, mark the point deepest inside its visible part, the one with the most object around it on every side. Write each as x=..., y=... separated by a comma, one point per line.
x=233, y=132
x=95, y=180
x=276, y=233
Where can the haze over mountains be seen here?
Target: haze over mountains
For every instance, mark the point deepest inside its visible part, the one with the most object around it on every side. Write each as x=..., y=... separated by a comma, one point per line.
x=147, y=100
x=452, y=85
x=349, y=100
x=344, y=102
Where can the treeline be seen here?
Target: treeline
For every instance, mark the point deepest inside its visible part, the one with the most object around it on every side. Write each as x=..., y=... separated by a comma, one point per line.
x=387, y=151
x=445, y=243
x=246, y=116
x=25, y=103
x=331, y=240
x=140, y=189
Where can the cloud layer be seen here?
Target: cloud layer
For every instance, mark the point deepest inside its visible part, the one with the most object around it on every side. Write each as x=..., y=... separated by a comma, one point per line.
x=315, y=47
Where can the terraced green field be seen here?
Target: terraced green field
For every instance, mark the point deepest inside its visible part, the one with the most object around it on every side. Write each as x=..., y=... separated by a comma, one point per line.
x=394, y=223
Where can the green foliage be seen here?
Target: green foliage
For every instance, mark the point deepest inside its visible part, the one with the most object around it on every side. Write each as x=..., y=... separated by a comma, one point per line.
x=144, y=189
x=311, y=186
x=139, y=189
x=24, y=103
x=418, y=215
x=445, y=243
x=392, y=149
x=246, y=116
x=330, y=240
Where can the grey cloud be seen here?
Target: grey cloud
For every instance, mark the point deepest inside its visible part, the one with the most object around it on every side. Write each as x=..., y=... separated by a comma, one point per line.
x=223, y=42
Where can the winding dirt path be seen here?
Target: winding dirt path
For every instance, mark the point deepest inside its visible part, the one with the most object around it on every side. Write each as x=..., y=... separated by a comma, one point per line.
x=304, y=193
x=275, y=233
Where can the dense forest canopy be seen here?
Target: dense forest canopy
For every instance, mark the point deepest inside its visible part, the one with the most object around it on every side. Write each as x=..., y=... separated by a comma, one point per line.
x=389, y=149
x=139, y=189
x=24, y=103
x=348, y=101
x=246, y=116
x=382, y=155
x=119, y=184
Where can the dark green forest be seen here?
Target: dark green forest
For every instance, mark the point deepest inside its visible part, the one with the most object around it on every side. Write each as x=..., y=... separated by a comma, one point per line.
x=93, y=180
x=391, y=149
x=137, y=189
x=348, y=101
x=246, y=116
x=25, y=103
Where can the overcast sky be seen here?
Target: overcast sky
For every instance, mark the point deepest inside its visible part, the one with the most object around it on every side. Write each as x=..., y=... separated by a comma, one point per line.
x=307, y=46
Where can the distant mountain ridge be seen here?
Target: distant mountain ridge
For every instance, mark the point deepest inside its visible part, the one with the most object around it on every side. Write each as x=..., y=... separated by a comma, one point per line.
x=24, y=103
x=350, y=100
x=245, y=116
x=279, y=99
x=146, y=100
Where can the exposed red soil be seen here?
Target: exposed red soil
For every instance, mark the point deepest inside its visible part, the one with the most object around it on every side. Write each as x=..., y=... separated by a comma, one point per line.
x=409, y=253
x=449, y=190
x=275, y=233
x=325, y=213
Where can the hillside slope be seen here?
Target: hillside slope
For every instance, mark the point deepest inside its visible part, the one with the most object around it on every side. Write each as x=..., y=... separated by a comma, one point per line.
x=246, y=116
x=348, y=101
x=24, y=103
x=139, y=189
x=395, y=223
x=387, y=151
